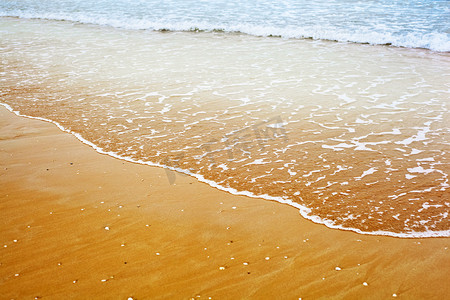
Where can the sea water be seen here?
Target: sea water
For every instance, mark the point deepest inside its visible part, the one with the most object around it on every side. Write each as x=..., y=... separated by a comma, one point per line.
x=354, y=135
x=414, y=23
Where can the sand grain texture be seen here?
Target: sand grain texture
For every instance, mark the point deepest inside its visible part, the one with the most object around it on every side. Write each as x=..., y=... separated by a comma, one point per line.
x=57, y=195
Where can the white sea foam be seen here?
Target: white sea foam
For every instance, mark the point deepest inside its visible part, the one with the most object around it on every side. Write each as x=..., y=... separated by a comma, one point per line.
x=419, y=25
x=304, y=211
x=366, y=172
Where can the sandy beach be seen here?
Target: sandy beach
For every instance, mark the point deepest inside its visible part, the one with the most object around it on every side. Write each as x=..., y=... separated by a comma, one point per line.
x=76, y=224
x=310, y=139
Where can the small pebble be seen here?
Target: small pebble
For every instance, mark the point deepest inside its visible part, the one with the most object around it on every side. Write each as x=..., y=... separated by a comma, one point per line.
x=337, y=269
x=365, y=284
x=394, y=295
x=106, y=228
x=234, y=207
x=245, y=264
x=267, y=258
x=16, y=274
x=221, y=268
x=157, y=253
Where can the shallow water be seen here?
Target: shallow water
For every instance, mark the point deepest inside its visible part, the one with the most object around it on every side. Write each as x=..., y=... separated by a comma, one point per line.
x=412, y=23
x=356, y=136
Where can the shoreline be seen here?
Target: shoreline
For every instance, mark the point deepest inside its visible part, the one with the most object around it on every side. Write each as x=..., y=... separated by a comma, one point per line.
x=323, y=165
x=303, y=210
x=90, y=229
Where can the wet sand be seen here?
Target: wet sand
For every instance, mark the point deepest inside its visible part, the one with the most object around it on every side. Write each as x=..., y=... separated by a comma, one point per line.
x=354, y=135
x=78, y=224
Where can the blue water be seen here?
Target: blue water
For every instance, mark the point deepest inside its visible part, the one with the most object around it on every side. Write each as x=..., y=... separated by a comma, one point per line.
x=412, y=23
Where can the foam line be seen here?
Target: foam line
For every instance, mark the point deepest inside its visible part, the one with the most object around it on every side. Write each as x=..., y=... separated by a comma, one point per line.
x=303, y=210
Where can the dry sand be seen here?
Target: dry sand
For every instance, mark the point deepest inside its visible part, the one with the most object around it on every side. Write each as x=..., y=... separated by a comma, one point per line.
x=179, y=241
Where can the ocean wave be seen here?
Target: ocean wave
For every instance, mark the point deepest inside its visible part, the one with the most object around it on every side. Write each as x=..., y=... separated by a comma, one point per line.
x=435, y=41
x=303, y=210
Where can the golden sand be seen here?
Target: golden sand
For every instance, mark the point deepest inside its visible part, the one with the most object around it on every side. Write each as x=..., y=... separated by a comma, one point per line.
x=357, y=135
x=78, y=224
